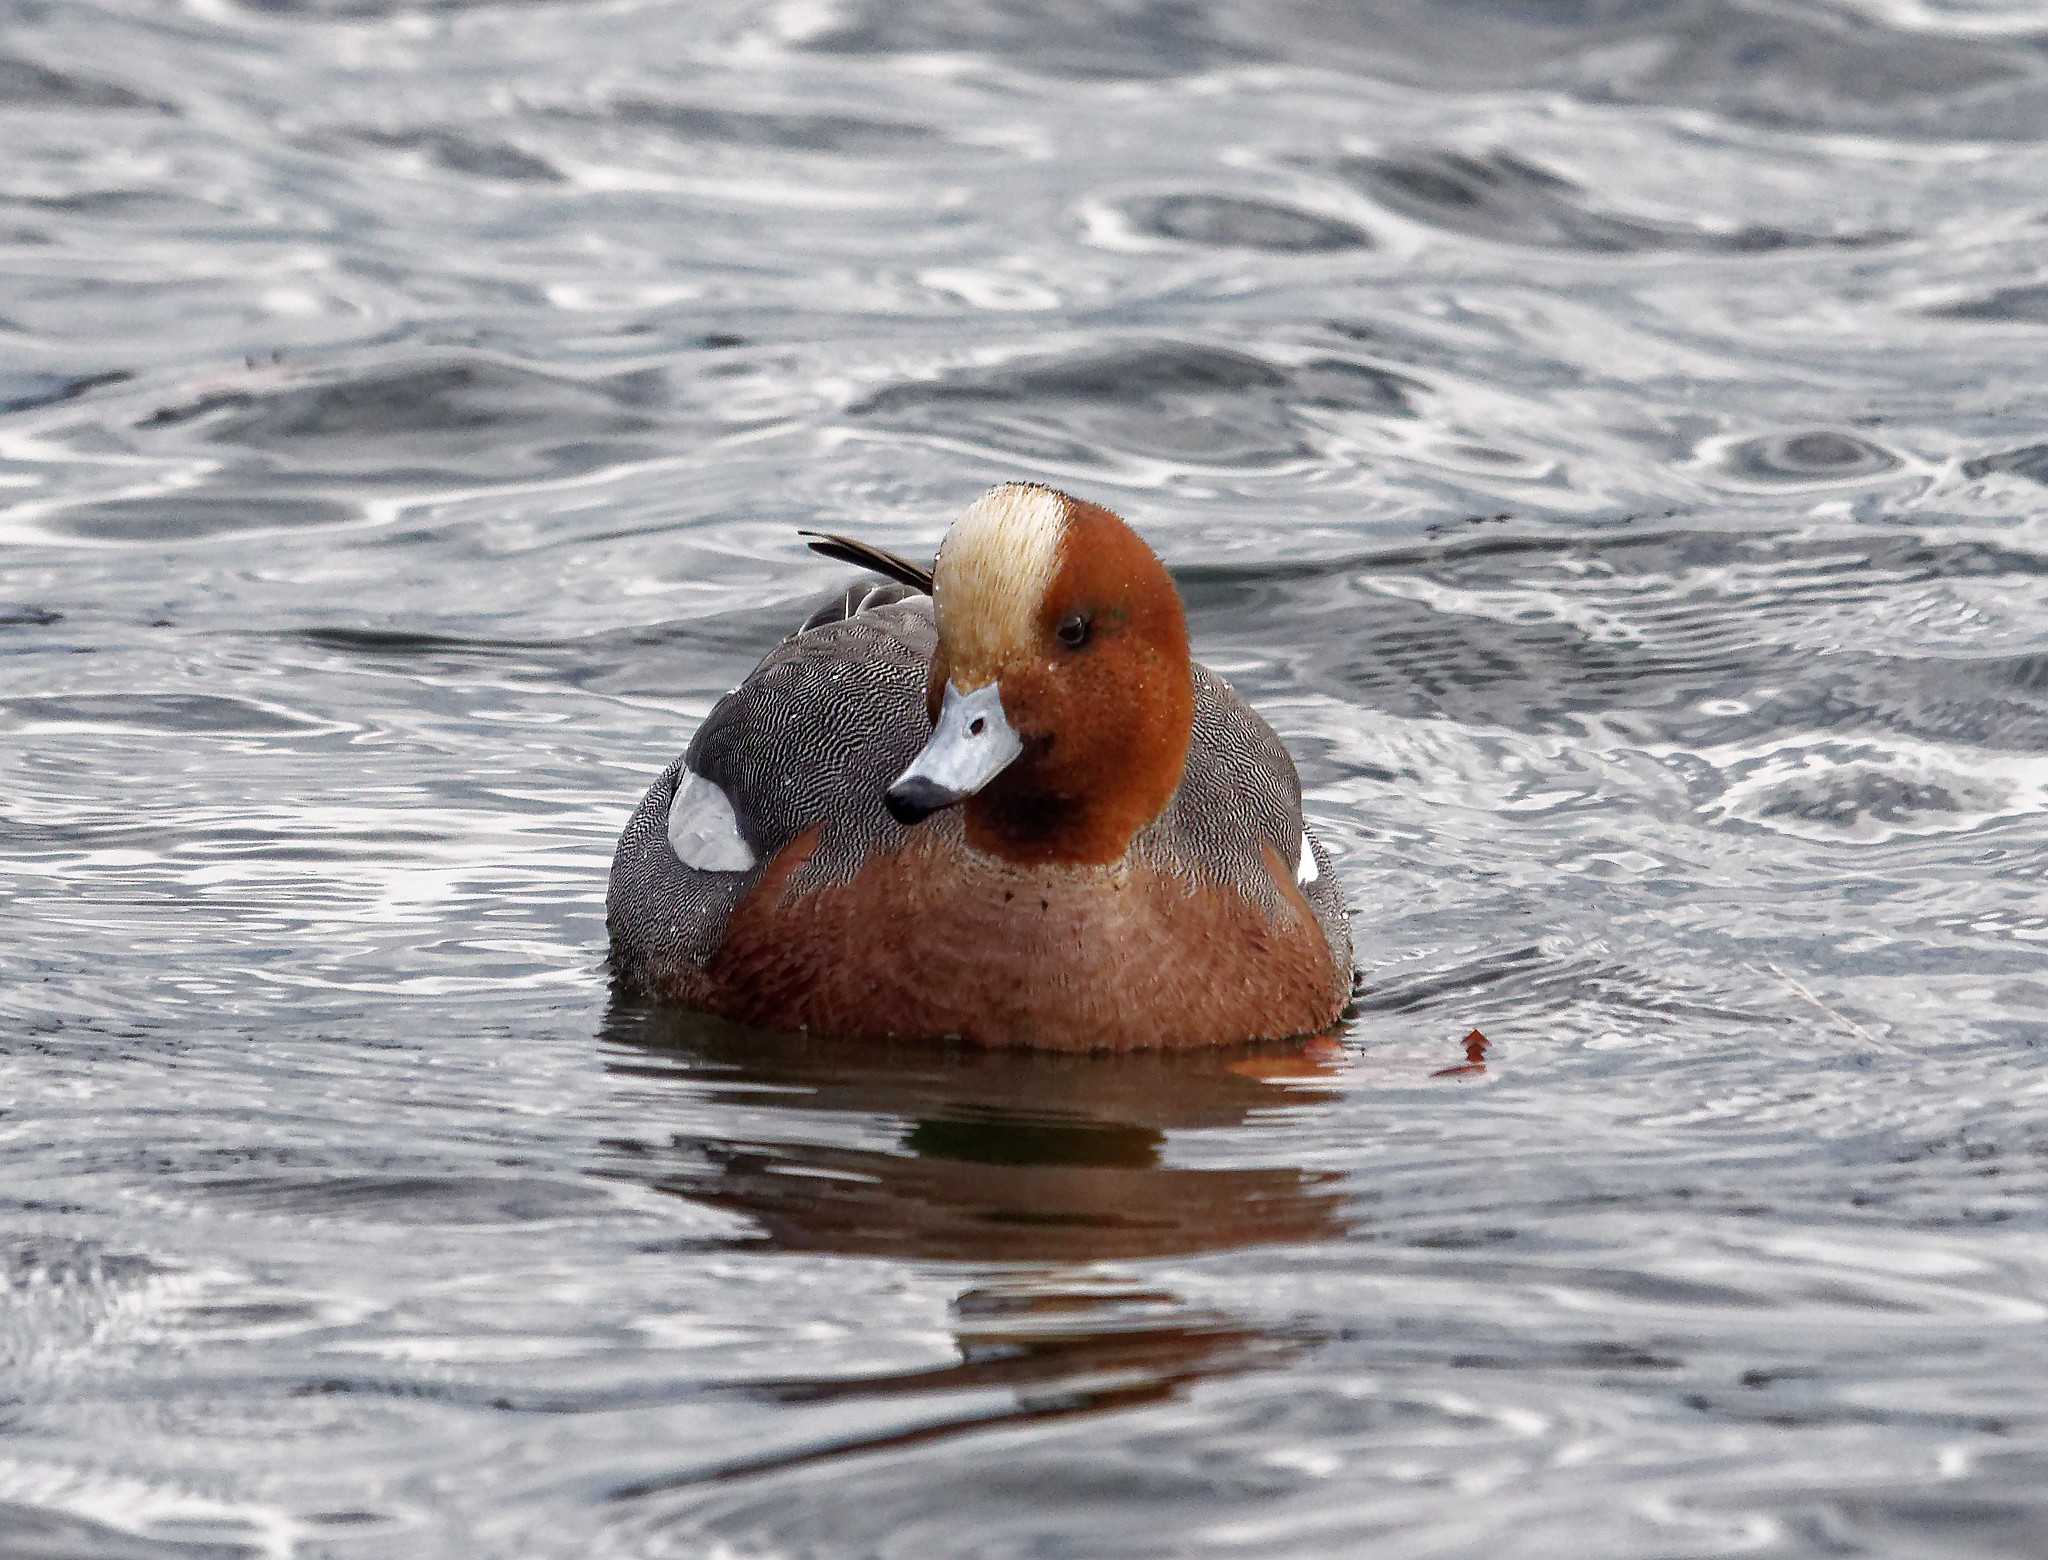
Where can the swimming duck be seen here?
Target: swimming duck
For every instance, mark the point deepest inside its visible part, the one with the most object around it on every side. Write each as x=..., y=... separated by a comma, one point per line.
x=995, y=802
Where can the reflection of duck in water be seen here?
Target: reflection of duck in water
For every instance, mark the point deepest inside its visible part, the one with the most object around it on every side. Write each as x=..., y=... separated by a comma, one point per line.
x=1012, y=811
x=995, y=1157
x=1039, y=1176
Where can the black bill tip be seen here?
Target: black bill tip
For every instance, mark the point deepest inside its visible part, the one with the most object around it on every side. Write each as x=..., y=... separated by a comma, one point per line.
x=914, y=799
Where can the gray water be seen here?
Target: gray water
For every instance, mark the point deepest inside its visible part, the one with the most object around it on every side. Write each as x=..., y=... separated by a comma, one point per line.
x=1608, y=441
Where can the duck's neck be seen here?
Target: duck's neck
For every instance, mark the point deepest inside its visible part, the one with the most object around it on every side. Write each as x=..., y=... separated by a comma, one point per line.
x=1023, y=820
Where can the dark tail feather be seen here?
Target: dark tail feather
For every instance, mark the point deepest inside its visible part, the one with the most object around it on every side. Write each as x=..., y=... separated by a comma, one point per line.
x=866, y=555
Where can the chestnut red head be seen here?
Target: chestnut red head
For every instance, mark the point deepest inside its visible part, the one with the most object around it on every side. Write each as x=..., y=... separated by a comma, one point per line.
x=1061, y=693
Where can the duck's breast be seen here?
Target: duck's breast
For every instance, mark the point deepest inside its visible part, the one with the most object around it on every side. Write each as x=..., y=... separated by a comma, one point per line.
x=937, y=939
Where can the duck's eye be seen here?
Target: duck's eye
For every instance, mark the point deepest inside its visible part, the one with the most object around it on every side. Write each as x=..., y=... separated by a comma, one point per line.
x=1073, y=630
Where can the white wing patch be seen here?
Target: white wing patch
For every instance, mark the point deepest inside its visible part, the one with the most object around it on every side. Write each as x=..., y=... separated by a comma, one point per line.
x=703, y=831
x=1306, y=873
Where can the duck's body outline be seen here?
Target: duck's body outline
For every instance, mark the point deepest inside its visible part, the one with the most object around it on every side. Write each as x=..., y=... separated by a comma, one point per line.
x=1219, y=920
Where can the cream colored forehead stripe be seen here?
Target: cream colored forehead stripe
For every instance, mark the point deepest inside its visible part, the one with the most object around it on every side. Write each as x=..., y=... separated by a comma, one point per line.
x=995, y=566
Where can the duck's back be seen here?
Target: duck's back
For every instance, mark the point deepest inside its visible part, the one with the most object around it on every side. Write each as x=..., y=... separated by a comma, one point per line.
x=801, y=754
x=1239, y=797
x=811, y=738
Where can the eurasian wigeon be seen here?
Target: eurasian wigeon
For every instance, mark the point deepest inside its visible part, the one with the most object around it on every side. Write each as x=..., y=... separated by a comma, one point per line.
x=995, y=802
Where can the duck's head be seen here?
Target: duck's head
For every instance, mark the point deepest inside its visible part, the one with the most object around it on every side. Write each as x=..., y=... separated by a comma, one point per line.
x=1061, y=694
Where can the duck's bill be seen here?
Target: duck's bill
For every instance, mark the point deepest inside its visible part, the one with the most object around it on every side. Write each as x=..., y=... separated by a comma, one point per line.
x=971, y=743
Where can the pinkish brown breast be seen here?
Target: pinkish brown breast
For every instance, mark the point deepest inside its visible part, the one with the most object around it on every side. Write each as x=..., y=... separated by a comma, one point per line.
x=937, y=940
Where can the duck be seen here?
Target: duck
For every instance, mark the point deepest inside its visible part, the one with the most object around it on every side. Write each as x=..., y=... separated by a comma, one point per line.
x=993, y=802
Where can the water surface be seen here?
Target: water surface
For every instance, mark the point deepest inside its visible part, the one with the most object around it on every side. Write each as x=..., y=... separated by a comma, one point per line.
x=1607, y=441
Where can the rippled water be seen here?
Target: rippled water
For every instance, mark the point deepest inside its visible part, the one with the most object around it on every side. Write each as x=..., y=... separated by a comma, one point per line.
x=1607, y=439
